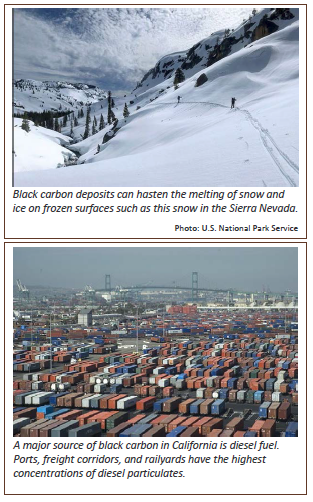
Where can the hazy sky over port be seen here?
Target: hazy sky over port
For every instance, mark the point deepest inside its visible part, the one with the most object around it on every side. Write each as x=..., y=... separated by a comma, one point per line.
x=112, y=48
x=247, y=269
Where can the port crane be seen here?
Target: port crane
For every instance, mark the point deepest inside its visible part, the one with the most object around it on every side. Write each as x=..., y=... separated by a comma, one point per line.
x=23, y=291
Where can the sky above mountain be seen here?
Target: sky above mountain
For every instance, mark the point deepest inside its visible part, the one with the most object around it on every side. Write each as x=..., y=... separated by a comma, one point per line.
x=111, y=48
x=246, y=268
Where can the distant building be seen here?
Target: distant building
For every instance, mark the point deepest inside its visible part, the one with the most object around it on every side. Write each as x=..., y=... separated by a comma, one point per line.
x=85, y=317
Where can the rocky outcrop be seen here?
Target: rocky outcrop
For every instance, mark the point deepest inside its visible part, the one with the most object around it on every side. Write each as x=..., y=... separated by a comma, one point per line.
x=201, y=80
x=221, y=50
x=265, y=28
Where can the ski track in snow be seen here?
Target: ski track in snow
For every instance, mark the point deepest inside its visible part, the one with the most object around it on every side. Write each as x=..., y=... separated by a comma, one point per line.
x=268, y=141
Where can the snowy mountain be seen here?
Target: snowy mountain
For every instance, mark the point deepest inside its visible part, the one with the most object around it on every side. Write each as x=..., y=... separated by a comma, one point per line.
x=32, y=95
x=199, y=141
x=218, y=46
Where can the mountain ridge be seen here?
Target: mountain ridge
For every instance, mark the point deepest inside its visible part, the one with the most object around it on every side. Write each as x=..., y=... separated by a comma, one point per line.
x=218, y=45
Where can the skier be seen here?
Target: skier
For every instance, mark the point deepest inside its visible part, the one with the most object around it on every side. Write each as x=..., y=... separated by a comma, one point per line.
x=178, y=99
x=233, y=101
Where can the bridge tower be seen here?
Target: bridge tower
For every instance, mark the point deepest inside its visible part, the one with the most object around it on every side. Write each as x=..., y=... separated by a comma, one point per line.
x=107, y=282
x=194, y=286
x=230, y=298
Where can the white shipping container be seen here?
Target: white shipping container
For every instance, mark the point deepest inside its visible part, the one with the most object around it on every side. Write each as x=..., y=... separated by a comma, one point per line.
x=210, y=381
x=164, y=382
x=153, y=360
x=158, y=370
x=127, y=402
x=86, y=400
x=42, y=399
x=180, y=384
x=200, y=392
x=119, y=379
x=28, y=399
x=99, y=387
x=37, y=385
x=277, y=396
x=241, y=395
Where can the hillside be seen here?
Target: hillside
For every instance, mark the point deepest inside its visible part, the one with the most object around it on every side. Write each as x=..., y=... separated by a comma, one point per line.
x=33, y=95
x=40, y=144
x=218, y=46
x=199, y=141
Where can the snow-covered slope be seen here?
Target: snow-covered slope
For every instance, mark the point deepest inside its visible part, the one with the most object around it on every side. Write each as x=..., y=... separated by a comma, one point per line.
x=219, y=45
x=200, y=141
x=32, y=95
x=39, y=148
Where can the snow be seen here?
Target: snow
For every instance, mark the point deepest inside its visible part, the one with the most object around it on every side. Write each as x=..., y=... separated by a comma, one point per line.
x=200, y=141
x=36, y=96
x=39, y=148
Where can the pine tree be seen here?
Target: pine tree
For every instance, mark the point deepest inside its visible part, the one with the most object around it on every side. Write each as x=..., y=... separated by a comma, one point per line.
x=98, y=148
x=50, y=123
x=112, y=103
x=75, y=122
x=109, y=107
x=25, y=123
x=81, y=113
x=64, y=120
x=125, y=111
x=56, y=124
x=71, y=131
x=179, y=76
x=95, y=120
x=101, y=123
x=94, y=129
x=87, y=127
